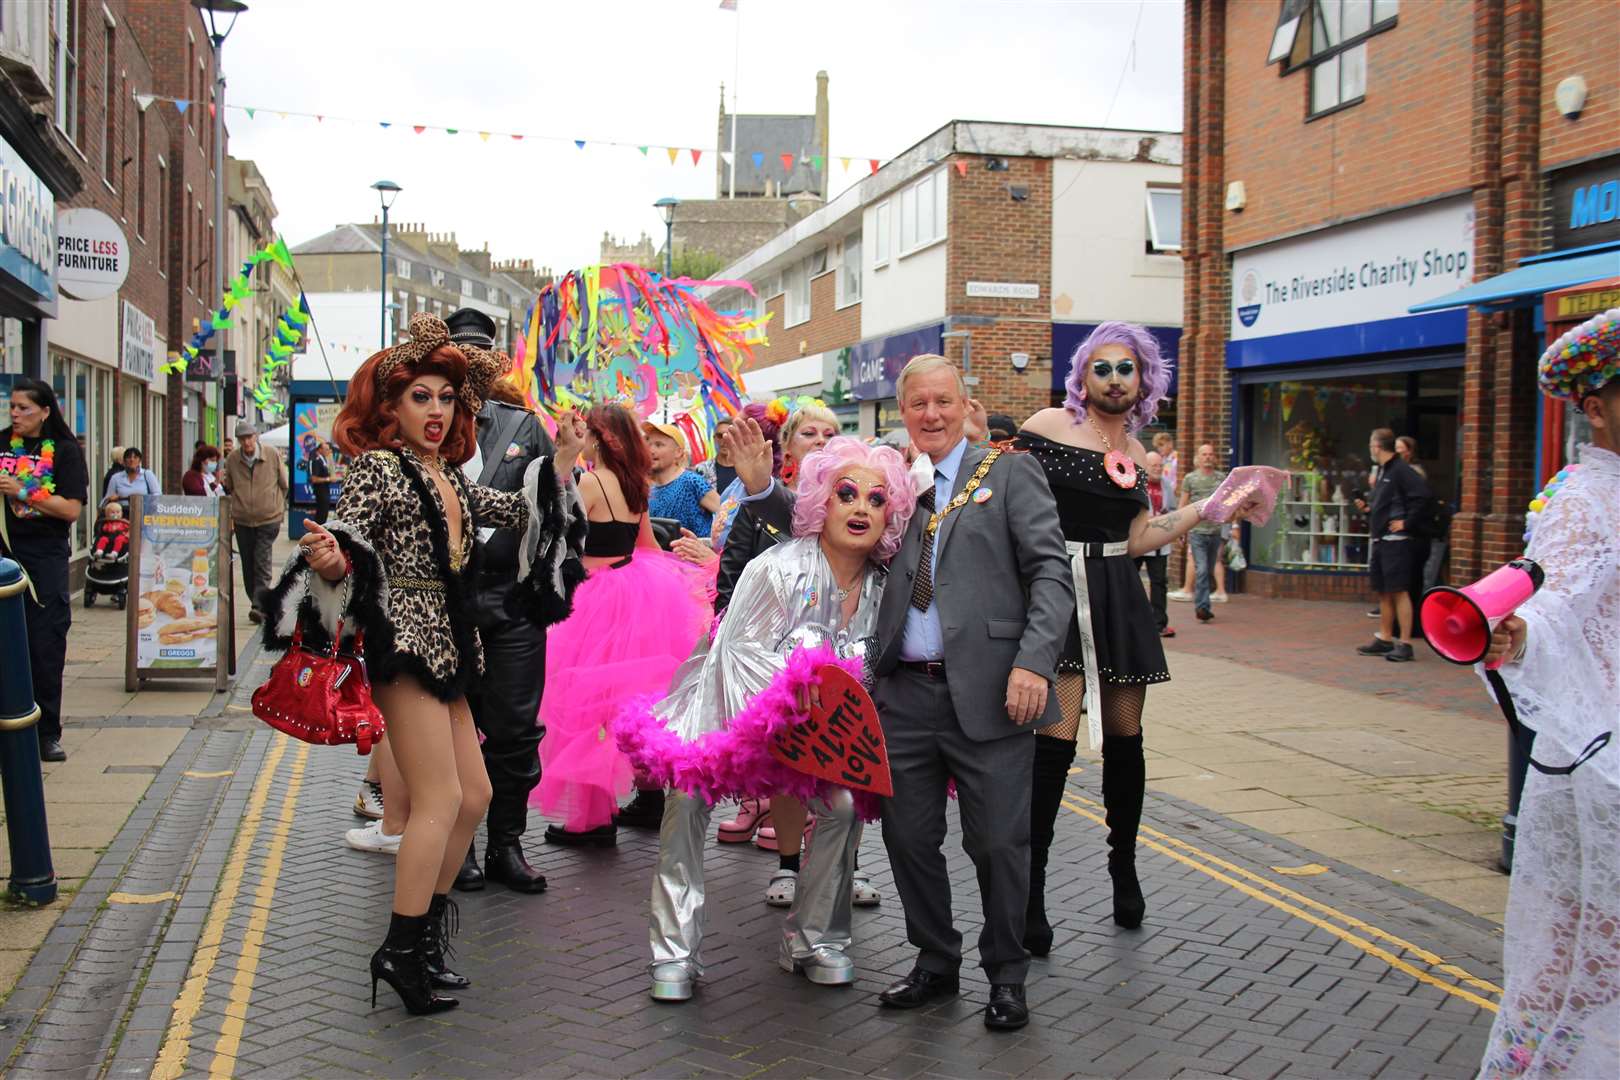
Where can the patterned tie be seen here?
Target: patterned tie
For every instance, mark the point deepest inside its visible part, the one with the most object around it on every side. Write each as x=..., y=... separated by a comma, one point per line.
x=922, y=591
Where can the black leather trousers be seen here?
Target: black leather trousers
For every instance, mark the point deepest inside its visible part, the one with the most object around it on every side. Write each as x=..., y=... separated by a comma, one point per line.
x=506, y=705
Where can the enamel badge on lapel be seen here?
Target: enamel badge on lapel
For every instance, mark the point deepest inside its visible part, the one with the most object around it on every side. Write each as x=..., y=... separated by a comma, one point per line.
x=982, y=495
x=515, y=450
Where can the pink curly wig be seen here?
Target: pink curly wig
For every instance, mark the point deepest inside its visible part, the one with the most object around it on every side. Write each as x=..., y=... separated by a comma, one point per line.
x=821, y=470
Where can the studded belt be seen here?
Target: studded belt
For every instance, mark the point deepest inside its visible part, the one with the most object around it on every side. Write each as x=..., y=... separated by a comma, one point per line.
x=416, y=584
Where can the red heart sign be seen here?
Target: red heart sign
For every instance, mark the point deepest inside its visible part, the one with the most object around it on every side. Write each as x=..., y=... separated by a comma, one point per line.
x=842, y=741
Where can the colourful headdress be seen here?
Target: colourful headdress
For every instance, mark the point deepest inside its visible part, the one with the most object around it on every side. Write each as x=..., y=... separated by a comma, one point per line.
x=780, y=408
x=1584, y=360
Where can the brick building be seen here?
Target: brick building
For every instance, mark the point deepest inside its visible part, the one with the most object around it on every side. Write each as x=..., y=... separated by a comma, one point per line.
x=1000, y=245
x=1385, y=198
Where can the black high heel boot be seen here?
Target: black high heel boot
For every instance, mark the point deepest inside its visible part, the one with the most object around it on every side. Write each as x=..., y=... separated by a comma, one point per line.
x=1124, y=778
x=1052, y=760
x=399, y=964
x=444, y=920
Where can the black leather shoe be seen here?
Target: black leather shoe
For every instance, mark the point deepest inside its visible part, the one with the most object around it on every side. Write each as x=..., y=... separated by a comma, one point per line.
x=51, y=750
x=505, y=865
x=1006, y=1011
x=602, y=836
x=470, y=878
x=919, y=988
x=645, y=811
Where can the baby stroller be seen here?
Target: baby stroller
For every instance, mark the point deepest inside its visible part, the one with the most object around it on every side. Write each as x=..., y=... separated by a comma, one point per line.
x=108, y=572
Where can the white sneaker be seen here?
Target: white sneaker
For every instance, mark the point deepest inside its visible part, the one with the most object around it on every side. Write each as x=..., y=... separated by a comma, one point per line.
x=1181, y=595
x=1219, y=598
x=783, y=887
x=862, y=893
x=368, y=803
x=372, y=838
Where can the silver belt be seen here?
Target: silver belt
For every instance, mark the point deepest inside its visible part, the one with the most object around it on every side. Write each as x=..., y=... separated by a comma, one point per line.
x=1078, y=554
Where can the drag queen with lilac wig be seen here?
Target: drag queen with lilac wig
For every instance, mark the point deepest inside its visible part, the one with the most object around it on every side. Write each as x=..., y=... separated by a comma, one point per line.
x=1098, y=474
x=798, y=606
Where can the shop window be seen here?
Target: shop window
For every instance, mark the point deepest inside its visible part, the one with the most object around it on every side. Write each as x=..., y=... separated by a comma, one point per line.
x=1164, y=220
x=849, y=273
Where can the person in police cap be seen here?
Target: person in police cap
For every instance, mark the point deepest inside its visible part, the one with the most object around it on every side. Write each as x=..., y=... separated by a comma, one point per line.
x=507, y=701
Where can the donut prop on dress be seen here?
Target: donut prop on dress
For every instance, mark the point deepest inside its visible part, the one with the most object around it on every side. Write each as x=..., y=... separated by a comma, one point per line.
x=1120, y=468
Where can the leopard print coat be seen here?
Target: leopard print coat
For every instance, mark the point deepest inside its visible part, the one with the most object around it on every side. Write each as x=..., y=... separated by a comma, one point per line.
x=406, y=594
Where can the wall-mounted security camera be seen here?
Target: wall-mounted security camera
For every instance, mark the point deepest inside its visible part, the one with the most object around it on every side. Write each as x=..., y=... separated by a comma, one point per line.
x=1571, y=97
x=1020, y=361
x=1237, y=197
x=996, y=164
x=1019, y=194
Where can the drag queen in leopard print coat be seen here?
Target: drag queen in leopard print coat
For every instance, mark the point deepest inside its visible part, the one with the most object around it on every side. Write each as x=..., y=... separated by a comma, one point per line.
x=395, y=564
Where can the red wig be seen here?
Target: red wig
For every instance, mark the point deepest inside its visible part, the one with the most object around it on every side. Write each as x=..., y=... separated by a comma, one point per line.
x=622, y=451
x=370, y=417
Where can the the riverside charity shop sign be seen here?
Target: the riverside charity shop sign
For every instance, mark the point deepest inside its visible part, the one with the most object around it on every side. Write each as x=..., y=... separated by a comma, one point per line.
x=92, y=254
x=1359, y=273
x=140, y=344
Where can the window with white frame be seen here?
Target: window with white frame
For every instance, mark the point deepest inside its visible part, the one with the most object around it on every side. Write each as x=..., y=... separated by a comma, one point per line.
x=923, y=213
x=466, y=287
x=402, y=267
x=1335, y=47
x=438, y=279
x=494, y=295
x=1163, y=220
x=796, y=295
x=880, y=234
x=818, y=262
x=65, y=43
x=849, y=272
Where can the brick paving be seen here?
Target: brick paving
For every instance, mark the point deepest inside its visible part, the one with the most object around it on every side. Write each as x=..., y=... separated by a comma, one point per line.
x=1220, y=981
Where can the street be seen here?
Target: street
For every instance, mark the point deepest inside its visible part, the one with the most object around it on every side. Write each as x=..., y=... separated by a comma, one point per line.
x=1303, y=846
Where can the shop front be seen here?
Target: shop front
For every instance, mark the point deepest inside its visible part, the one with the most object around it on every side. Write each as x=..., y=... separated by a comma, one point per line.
x=1576, y=280
x=875, y=364
x=1322, y=350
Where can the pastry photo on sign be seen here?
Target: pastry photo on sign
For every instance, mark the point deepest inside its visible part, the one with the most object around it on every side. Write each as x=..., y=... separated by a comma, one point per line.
x=183, y=630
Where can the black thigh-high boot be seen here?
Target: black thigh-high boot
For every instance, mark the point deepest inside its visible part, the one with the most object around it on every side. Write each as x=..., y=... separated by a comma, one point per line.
x=400, y=964
x=1052, y=760
x=1123, y=781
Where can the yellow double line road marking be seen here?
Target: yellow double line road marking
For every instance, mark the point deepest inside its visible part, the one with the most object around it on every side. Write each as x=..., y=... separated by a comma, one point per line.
x=1362, y=935
x=171, y=1061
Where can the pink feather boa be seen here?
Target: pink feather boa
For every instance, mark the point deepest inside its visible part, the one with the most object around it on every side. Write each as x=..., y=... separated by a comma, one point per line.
x=735, y=762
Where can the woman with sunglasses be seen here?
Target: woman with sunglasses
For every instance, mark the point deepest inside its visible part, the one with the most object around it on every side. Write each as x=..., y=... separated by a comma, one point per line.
x=1098, y=474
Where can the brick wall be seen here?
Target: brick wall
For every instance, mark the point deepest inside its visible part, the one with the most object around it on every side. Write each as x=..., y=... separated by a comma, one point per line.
x=176, y=42
x=993, y=237
x=830, y=327
x=1407, y=141
x=1580, y=37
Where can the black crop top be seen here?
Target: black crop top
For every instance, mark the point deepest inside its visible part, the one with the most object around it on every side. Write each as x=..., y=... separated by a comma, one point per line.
x=611, y=539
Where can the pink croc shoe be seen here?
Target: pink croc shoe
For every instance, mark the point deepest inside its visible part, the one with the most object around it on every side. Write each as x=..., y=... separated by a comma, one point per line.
x=751, y=814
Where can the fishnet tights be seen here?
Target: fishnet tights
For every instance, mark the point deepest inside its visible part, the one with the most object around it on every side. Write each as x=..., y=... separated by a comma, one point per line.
x=1121, y=708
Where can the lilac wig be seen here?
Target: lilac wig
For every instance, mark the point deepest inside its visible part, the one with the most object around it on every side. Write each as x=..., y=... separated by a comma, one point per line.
x=770, y=429
x=821, y=470
x=1155, y=371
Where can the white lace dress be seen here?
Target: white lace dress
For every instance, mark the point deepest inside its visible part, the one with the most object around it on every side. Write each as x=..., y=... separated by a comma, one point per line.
x=1560, y=1012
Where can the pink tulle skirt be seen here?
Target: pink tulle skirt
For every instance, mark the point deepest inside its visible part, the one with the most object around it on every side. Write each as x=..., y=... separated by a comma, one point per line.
x=631, y=628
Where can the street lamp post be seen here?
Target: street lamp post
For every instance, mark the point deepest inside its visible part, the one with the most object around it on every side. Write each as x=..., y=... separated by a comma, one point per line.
x=211, y=11
x=386, y=191
x=666, y=206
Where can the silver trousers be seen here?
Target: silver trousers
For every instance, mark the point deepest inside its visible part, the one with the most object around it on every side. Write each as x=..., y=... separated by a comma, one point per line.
x=821, y=913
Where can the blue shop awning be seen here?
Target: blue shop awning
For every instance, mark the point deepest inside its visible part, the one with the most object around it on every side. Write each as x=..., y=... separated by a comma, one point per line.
x=1535, y=276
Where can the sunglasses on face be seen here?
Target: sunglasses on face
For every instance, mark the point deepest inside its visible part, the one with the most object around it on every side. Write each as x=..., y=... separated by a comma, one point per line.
x=1103, y=369
x=847, y=493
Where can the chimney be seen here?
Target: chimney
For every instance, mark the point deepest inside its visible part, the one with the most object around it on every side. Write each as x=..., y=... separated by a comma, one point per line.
x=822, y=133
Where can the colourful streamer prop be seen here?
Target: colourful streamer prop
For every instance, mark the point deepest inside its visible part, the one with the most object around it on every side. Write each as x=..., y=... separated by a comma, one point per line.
x=624, y=333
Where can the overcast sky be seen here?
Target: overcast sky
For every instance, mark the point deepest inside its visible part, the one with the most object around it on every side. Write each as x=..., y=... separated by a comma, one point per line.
x=645, y=71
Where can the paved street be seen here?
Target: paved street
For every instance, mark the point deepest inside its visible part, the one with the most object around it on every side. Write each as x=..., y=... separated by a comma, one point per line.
x=226, y=927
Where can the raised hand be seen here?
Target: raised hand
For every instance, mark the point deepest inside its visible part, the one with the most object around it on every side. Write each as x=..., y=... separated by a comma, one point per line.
x=750, y=454
x=320, y=550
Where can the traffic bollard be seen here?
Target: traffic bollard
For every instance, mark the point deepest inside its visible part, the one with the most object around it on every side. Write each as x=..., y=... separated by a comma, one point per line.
x=32, y=876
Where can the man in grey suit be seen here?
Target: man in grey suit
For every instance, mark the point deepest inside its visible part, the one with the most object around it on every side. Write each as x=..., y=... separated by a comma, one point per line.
x=974, y=614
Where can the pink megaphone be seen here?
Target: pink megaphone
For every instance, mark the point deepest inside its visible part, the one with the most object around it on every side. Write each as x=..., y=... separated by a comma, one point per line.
x=1457, y=623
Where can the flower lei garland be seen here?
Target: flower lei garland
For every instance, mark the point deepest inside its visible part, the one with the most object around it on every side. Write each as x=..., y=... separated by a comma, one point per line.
x=735, y=762
x=36, y=473
x=1539, y=503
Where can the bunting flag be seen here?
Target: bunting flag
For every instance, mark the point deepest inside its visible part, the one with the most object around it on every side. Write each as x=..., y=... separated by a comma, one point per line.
x=622, y=333
x=961, y=167
x=874, y=163
x=818, y=161
x=787, y=163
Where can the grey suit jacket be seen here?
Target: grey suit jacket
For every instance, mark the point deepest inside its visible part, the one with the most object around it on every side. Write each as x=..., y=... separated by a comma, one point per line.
x=1002, y=588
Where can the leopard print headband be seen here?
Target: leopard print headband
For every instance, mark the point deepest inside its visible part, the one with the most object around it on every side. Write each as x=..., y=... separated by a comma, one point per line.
x=427, y=333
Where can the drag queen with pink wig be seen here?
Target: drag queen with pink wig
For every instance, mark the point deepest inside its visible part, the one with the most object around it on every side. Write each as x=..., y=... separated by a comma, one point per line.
x=805, y=603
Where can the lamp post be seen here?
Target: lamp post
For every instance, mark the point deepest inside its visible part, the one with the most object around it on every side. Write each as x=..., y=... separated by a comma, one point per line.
x=387, y=191
x=211, y=12
x=666, y=206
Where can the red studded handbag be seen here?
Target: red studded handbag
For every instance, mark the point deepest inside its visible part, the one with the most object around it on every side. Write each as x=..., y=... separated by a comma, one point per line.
x=322, y=698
